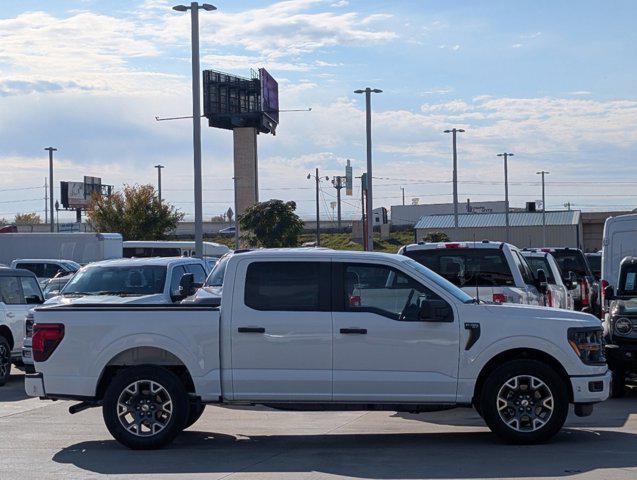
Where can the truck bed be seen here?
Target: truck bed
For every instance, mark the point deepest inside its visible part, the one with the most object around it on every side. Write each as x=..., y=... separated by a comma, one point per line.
x=107, y=336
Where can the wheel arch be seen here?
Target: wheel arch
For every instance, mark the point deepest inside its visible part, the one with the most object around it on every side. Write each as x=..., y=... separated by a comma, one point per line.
x=520, y=354
x=143, y=356
x=6, y=333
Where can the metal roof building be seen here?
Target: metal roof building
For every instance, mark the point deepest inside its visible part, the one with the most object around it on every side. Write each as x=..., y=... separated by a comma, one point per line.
x=563, y=228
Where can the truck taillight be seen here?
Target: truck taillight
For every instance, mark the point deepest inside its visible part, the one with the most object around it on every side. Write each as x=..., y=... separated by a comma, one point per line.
x=46, y=338
x=584, y=291
x=452, y=245
x=602, y=293
x=499, y=298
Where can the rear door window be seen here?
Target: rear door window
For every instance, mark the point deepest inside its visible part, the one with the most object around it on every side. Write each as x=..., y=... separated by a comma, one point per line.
x=484, y=267
x=11, y=291
x=36, y=268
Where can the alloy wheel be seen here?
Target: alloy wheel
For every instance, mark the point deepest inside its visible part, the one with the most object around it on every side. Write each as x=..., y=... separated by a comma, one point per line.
x=5, y=361
x=525, y=403
x=144, y=408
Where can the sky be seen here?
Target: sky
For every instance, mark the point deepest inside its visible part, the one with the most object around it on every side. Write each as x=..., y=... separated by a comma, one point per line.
x=552, y=82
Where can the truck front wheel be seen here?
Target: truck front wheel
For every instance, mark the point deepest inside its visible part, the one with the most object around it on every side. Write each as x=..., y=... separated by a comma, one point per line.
x=524, y=402
x=145, y=407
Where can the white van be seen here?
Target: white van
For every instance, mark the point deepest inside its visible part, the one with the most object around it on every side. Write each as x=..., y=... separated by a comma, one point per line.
x=620, y=241
x=153, y=248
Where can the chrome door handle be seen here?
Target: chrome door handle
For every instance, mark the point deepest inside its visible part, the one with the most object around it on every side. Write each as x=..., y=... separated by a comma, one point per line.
x=251, y=330
x=359, y=331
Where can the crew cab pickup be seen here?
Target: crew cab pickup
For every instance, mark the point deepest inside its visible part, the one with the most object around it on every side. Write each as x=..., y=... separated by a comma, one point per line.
x=317, y=329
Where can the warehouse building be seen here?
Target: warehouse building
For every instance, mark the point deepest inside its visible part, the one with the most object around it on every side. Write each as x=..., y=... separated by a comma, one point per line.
x=408, y=215
x=563, y=228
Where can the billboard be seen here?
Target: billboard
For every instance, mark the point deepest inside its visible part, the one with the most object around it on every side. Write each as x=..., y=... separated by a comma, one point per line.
x=76, y=195
x=349, y=179
x=269, y=95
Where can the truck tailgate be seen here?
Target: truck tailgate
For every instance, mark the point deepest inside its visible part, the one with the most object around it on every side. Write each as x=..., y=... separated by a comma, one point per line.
x=96, y=336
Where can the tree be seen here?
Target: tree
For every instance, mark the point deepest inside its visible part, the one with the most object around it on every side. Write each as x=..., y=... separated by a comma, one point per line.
x=272, y=224
x=134, y=212
x=27, y=218
x=435, y=237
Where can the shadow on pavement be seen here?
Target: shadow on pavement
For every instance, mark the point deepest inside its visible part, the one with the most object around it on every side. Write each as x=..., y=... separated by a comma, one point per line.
x=613, y=413
x=13, y=390
x=375, y=456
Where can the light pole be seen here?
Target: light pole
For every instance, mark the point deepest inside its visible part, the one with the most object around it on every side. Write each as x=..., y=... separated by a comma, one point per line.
x=368, y=116
x=543, y=173
x=318, y=180
x=196, y=117
x=454, y=131
x=159, y=167
x=51, y=150
x=57, y=215
x=506, y=194
x=403, y=190
x=337, y=181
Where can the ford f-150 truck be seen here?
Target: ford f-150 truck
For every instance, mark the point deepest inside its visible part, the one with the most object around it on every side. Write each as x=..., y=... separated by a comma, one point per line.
x=321, y=330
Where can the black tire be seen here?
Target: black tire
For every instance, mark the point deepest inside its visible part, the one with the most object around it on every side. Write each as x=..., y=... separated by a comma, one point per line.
x=524, y=399
x=144, y=402
x=618, y=384
x=5, y=360
x=195, y=413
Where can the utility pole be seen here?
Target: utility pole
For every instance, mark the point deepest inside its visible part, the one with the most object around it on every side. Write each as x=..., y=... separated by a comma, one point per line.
x=403, y=190
x=453, y=132
x=337, y=181
x=368, y=128
x=543, y=173
x=196, y=117
x=506, y=194
x=363, y=190
x=159, y=167
x=318, y=223
x=46, y=202
x=51, y=150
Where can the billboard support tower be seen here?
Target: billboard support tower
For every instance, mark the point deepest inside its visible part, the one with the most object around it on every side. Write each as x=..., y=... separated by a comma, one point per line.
x=51, y=150
x=453, y=131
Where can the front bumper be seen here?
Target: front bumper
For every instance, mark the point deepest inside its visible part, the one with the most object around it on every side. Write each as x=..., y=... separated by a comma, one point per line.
x=34, y=385
x=622, y=356
x=591, y=389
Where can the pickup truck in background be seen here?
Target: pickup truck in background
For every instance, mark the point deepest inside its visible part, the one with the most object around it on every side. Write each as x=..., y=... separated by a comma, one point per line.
x=557, y=291
x=319, y=329
x=493, y=271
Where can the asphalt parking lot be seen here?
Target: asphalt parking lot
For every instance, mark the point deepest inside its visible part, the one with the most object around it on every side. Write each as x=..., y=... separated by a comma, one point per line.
x=41, y=440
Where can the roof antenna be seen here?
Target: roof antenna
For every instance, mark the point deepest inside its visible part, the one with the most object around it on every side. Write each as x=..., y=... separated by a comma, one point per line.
x=476, y=274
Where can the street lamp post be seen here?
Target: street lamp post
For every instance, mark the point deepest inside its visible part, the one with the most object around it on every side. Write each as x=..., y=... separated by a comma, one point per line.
x=453, y=131
x=159, y=167
x=506, y=194
x=543, y=173
x=368, y=116
x=51, y=150
x=196, y=117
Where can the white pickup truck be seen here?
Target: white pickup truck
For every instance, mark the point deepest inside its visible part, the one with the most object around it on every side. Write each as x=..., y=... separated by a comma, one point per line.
x=321, y=330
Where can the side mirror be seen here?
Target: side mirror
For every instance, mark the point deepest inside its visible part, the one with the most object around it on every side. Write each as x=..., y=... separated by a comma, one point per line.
x=435, y=311
x=187, y=285
x=609, y=292
x=542, y=282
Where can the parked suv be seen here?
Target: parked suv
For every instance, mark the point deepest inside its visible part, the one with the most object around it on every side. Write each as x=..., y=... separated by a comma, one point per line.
x=19, y=292
x=557, y=292
x=494, y=271
x=620, y=326
x=46, y=269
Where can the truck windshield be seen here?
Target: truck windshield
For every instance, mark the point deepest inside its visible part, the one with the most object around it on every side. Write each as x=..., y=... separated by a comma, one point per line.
x=485, y=267
x=572, y=261
x=137, y=280
x=440, y=281
x=215, y=279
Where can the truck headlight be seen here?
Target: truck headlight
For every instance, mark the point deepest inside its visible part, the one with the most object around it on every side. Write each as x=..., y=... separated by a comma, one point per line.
x=587, y=344
x=623, y=326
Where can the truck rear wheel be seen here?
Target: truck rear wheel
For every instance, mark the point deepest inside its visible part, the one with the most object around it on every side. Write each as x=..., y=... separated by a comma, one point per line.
x=5, y=360
x=524, y=402
x=194, y=414
x=145, y=407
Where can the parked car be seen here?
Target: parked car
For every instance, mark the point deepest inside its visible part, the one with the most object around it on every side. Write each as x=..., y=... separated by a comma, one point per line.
x=620, y=326
x=228, y=231
x=124, y=281
x=321, y=330
x=594, y=260
x=620, y=241
x=557, y=293
x=45, y=269
x=19, y=292
x=586, y=297
x=494, y=271
x=210, y=292
x=164, y=248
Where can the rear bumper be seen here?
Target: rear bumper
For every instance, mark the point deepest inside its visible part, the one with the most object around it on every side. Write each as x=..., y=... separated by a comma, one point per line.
x=34, y=385
x=27, y=352
x=591, y=389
